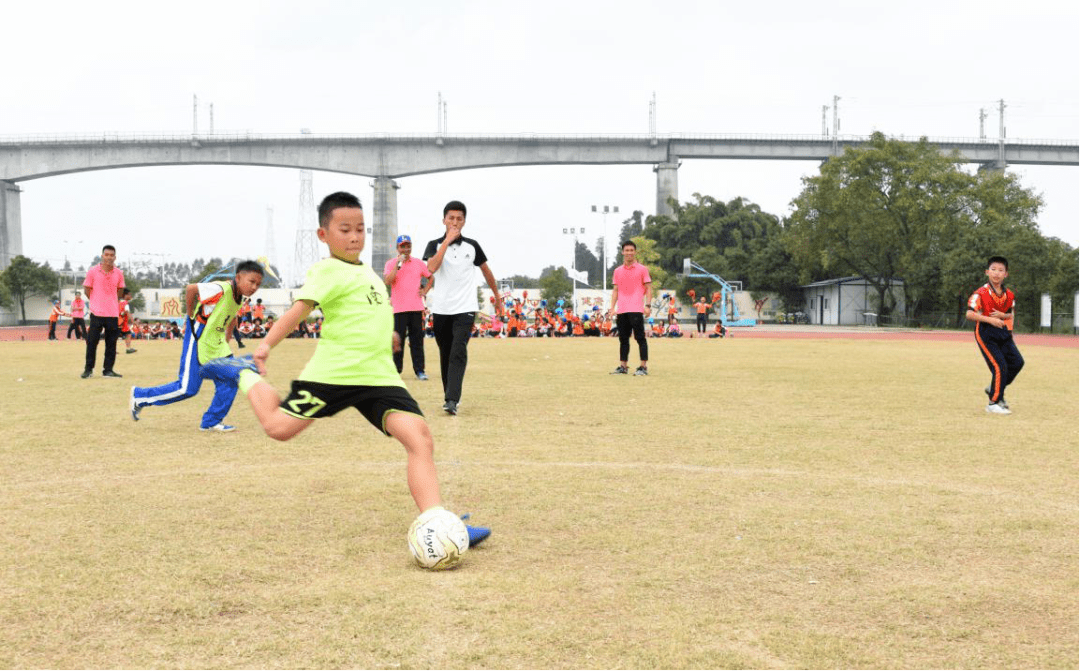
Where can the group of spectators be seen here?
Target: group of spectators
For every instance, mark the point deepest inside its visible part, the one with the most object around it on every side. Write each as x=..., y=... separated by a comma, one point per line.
x=522, y=321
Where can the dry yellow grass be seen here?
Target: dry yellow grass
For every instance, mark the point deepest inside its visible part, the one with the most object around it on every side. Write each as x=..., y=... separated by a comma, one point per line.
x=752, y=503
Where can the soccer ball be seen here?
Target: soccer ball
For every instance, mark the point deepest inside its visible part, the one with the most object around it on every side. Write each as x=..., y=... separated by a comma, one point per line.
x=438, y=539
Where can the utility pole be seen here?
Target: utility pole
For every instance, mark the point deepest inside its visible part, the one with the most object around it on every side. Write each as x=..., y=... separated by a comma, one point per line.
x=835, y=124
x=652, y=120
x=195, y=115
x=982, y=123
x=824, y=126
x=211, y=118
x=1001, y=133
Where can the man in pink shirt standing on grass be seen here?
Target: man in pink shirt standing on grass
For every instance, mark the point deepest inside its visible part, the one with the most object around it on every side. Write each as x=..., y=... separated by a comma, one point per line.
x=104, y=285
x=403, y=274
x=630, y=299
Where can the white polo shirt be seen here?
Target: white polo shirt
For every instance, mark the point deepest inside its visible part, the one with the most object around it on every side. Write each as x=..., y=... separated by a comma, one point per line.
x=455, y=280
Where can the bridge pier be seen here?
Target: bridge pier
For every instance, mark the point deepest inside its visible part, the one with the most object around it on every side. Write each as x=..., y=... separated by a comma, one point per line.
x=384, y=223
x=10, y=223
x=667, y=186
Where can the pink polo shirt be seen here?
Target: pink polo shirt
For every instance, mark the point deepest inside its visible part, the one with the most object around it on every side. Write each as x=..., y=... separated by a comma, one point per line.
x=405, y=291
x=631, y=281
x=103, y=299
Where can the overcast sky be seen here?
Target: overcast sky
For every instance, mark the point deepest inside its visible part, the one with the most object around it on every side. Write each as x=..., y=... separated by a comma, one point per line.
x=915, y=68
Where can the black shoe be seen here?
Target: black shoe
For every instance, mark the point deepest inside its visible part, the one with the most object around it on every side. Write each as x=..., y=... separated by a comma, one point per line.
x=641, y=370
x=450, y=407
x=111, y=373
x=86, y=374
x=621, y=370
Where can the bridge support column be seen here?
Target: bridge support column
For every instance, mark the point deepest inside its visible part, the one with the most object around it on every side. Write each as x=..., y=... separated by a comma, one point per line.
x=667, y=186
x=384, y=223
x=10, y=223
x=992, y=166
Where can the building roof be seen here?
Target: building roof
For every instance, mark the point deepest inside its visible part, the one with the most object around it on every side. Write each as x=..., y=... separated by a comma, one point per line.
x=854, y=279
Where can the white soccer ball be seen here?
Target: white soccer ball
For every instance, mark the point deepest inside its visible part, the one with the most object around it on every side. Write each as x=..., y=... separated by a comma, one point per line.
x=438, y=538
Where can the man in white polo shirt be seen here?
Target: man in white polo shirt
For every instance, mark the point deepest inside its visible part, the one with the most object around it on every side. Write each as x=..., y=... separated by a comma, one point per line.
x=453, y=260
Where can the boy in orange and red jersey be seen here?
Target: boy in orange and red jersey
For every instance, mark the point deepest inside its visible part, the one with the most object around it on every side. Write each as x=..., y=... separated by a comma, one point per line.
x=125, y=321
x=991, y=308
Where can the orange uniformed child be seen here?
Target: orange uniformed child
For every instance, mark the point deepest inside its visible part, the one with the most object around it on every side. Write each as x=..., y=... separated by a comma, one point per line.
x=991, y=308
x=54, y=315
x=125, y=321
x=701, y=307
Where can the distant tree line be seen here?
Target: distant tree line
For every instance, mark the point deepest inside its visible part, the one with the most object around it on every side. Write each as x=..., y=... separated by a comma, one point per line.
x=891, y=210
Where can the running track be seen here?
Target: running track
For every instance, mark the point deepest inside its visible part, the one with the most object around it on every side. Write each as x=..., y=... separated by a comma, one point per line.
x=35, y=333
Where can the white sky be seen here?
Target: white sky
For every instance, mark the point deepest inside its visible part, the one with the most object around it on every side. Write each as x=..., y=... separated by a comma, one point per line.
x=915, y=68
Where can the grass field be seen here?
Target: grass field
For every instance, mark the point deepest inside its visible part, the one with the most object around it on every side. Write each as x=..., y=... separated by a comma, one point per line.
x=752, y=503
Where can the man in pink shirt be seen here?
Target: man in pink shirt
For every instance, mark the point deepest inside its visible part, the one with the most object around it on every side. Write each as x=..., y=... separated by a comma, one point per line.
x=78, y=325
x=403, y=274
x=104, y=285
x=630, y=298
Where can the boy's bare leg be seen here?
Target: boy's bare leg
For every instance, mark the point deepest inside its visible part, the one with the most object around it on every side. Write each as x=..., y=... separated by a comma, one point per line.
x=266, y=405
x=413, y=432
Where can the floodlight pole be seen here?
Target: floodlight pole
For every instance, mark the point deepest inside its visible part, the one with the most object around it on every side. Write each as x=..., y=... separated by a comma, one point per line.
x=603, y=249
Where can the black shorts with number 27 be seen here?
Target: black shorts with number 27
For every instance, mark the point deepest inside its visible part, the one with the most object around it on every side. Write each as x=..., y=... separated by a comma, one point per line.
x=312, y=400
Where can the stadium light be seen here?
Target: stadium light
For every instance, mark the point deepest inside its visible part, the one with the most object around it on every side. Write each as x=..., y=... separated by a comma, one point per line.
x=612, y=209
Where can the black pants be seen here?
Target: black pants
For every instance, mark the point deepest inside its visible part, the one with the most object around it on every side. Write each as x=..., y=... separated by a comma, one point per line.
x=411, y=325
x=79, y=327
x=702, y=322
x=111, y=327
x=627, y=323
x=1001, y=356
x=452, y=336
x=52, y=330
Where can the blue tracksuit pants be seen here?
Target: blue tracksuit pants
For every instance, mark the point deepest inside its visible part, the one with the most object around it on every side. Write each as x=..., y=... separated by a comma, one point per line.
x=190, y=379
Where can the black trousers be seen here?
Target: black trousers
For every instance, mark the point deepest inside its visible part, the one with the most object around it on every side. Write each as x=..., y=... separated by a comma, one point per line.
x=1001, y=356
x=111, y=327
x=627, y=323
x=52, y=330
x=78, y=326
x=702, y=322
x=411, y=325
x=452, y=334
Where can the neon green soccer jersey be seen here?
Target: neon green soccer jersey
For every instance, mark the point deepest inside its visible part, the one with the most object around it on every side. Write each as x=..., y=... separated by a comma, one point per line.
x=358, y=325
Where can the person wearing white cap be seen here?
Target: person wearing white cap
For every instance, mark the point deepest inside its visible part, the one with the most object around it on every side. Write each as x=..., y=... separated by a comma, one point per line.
x=404, y=275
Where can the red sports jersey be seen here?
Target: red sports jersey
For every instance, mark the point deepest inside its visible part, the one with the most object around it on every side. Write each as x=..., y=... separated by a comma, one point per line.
x=984, y=301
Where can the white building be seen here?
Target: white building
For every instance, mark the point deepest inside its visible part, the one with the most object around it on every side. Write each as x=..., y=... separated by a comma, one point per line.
x=847, y=301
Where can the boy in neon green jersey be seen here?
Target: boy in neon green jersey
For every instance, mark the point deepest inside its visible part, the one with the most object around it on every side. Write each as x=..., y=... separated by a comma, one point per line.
x=353, y=364
x=206, y=355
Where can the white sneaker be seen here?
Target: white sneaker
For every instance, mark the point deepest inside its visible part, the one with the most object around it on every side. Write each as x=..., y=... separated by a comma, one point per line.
x=224, y=428
x=997, y=409
x=133, y=406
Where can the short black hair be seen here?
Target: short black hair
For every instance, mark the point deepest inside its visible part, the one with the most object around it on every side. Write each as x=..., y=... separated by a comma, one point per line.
x=624, y=243
x=455, y=205
x=108, y=247
x=333, y=202
x=126, y=292
x=998, y=259
x=250, y=267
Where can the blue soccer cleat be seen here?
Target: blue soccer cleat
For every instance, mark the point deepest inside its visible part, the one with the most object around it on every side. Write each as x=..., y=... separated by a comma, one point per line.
x=231, y=366
x=477, y=535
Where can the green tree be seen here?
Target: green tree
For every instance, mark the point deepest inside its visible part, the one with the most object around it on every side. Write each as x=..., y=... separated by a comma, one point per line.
x=555, y=285
x=25, y=279
x=138, y=302
x=902, y=210
x=648, y=256
x=522, y=281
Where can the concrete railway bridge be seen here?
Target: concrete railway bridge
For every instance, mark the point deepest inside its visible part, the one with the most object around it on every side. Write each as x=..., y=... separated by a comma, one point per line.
x=388, y=158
